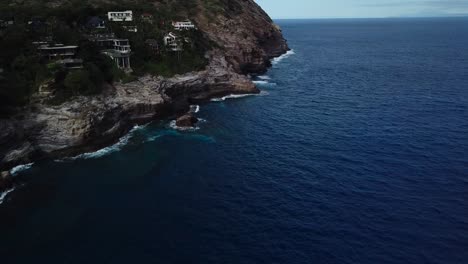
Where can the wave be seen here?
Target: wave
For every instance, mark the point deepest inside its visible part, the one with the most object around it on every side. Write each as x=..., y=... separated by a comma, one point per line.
x=263, y=77
x=264, y=93
x=20, y=168
x=260, y=82
x=231, y=96
x=108, y=150
x=282, y=57
x=4, y=194
x=194, y=109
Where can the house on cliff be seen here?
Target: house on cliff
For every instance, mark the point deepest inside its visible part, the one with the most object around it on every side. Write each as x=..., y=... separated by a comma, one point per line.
x=120, y=52
x=62, y=55
x=172, y=42
x=183, y=25
x=120, y=16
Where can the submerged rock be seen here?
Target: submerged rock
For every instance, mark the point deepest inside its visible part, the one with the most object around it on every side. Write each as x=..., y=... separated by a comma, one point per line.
x=187, y=120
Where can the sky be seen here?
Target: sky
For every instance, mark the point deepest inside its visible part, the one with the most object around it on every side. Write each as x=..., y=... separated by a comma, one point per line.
x=363, y=8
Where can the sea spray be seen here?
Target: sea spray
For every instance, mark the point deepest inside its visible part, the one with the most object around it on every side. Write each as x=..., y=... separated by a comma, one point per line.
x=110, y=149
x=260, y=82
x=264, y=77
x=4, y=194
x=20, y=168
x=282, y=57
x=231, y=96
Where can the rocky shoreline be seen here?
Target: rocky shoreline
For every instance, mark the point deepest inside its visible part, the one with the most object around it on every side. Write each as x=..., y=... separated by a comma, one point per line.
x=86, y=124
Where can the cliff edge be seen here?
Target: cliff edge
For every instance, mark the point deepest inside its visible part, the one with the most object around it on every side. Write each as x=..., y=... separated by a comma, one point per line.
x=245, y=40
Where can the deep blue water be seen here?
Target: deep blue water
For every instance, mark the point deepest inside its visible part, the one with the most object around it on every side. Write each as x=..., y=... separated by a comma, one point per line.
x=355, y=153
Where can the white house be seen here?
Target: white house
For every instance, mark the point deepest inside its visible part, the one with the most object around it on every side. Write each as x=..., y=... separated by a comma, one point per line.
x=172, y=42
x=119, y=52
x=57, y=51
x=183, y=25
x=61, y=54
x=120, y=16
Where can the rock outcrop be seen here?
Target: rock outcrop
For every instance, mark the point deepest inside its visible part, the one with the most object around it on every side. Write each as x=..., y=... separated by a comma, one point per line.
x=248, y=35
x=187, y=120
x=246, y=41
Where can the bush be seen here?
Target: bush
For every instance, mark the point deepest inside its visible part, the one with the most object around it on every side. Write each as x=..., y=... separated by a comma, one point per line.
x=79, y=82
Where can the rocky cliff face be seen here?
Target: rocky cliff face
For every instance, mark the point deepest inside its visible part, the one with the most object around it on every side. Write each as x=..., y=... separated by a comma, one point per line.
x=248, y=36
x=246, y=41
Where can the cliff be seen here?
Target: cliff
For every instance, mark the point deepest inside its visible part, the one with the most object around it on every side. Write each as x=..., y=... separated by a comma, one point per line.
x=245, y=41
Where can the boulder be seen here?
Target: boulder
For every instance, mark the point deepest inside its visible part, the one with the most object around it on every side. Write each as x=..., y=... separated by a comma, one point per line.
x=187, y=120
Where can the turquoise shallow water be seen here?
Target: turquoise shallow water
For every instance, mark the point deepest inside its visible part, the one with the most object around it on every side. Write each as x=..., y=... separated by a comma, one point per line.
x=354, y=153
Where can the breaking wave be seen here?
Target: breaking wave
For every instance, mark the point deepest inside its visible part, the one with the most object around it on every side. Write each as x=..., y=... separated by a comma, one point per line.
x=260, y=82
x=282, y=57
x=264, y=77
x=4, y=194
x=20, y=168
x=111, y=149
x=231, y=96
x=264, y=93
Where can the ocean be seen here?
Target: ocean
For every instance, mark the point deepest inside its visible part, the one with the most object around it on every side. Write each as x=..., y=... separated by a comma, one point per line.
x=355, y=152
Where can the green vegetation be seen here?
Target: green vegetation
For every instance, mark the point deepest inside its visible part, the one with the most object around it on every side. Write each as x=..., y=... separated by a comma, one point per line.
x=23, y=71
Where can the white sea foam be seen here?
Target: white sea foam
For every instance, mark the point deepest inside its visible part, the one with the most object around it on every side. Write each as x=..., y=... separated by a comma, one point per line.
x=20, y=168
x=231, y=96
x=282, y=57
x=4, y=194
x=264, y=93
x=194, y=109
x=264, y=77
x=153, y=138
x=111, y=149
x=260, y=82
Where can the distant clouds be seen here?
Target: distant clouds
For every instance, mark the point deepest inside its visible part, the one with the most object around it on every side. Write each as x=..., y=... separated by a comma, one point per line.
x=425, y=7
x=363, y=8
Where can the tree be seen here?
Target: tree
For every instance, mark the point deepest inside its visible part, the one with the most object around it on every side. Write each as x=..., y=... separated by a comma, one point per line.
x=78, y=82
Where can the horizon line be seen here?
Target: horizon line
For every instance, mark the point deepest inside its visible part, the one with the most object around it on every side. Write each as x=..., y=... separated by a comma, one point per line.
x=390, y=17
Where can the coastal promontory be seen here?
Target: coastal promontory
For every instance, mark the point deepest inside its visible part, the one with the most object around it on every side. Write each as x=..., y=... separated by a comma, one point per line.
x=78, y=77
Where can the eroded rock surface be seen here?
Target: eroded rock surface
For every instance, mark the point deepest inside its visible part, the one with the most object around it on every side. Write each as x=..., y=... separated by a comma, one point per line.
x=247, y=40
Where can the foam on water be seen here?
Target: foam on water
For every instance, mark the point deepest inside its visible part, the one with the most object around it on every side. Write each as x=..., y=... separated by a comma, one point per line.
x=21, y=168
x=264, y=93
x=264, y=77
x=4, y=194
x=161, y=134
x=111, y=149
x=261, y=83
x=231, y=96
x=282, y=57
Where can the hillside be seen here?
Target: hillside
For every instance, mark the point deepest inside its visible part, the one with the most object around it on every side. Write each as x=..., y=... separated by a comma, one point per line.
x=57, y=111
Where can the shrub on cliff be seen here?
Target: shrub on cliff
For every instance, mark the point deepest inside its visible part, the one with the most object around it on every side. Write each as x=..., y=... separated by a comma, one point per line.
x=78, y=82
